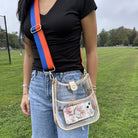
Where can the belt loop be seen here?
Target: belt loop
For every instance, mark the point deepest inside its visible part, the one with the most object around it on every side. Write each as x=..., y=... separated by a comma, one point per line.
x=61, y=74
x=36, y=73
x=82, y=128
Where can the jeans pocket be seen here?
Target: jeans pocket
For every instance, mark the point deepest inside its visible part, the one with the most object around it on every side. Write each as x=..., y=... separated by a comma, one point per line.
x=32, y=79
x=75, y=76
x=64, y=93
x=33, y=75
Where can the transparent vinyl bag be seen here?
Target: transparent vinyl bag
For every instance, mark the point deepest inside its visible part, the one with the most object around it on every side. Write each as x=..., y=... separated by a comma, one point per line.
x=74, y=103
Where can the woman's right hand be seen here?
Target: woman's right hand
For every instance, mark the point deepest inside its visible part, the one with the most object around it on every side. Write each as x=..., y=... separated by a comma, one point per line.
x=25, y=105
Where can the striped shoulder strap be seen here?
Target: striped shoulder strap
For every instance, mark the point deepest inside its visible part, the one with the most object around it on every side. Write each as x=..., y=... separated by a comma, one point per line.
x=40, y=40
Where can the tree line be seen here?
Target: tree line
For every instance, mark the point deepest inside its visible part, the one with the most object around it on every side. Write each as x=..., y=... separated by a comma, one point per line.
x=115, y=37
x=118, y=37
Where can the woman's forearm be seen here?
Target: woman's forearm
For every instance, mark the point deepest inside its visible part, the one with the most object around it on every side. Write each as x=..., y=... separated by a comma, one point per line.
x=27, y=66
x=92, y=66
x=89, y=27
x=27, y=70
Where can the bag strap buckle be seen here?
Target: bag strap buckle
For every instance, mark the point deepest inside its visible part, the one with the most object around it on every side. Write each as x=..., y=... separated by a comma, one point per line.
x=50, y=73
x=35, y=28
x=72, y=86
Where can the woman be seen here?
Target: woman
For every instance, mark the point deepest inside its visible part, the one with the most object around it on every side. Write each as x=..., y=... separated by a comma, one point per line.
x=62, y=22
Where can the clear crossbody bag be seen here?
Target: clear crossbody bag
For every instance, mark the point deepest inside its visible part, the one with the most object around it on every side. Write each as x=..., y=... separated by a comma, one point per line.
x=73, y=112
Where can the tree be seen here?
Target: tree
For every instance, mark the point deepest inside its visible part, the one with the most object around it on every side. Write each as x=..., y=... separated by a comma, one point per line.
x=122, y=35
x=132, y=36
x=113, y=38
x=102, y=38
x=119, y=36
x=13, y=40
x=2, y=38
x=126, y=42
x=135, y=42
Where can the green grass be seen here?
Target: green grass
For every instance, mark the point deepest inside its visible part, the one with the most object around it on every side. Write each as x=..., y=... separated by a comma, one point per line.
x=117, y=93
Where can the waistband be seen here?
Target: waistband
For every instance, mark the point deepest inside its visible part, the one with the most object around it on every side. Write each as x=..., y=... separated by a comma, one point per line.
x=36, y=72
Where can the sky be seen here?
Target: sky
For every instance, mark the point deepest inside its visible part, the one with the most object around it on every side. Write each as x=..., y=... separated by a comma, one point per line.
x=110, y=14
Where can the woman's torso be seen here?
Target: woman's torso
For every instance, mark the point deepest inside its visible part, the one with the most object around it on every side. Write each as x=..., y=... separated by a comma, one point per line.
x=62, y=28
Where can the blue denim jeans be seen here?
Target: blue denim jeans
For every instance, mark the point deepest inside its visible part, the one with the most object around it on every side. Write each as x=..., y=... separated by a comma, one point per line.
x=40, y=96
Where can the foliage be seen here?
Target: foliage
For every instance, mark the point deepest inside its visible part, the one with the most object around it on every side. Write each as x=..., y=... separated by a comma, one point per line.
x=135, y=42
x=13, y=40
x=12, y=37
x=2, y=38
x=117, y=86
x=115, y=37
x=125, y=42
x=132, y=36
x=102, y=38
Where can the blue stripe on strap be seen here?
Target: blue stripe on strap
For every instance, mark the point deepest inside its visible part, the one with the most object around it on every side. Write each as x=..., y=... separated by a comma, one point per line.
x=37, y=40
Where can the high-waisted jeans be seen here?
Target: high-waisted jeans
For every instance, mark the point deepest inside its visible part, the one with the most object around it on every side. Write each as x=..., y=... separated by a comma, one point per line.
x=40, y=96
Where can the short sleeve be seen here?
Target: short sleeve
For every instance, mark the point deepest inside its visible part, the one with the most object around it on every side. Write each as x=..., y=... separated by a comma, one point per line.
x=86, y=7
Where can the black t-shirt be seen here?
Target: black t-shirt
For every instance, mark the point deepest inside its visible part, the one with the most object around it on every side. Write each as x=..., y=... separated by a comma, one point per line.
x=62, y=28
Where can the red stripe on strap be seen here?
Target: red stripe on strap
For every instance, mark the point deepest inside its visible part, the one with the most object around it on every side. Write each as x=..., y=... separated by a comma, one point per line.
x=48, y=57
x=42, y=38
x=37, y=14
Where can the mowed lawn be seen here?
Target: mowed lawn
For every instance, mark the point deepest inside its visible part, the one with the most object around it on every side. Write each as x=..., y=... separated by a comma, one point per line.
x=117, y=93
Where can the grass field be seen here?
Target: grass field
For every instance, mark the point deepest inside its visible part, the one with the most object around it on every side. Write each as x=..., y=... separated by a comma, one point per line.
x=117, y=93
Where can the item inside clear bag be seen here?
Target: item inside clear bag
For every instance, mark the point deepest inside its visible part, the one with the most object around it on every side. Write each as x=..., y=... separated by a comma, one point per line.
x=75, y=102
